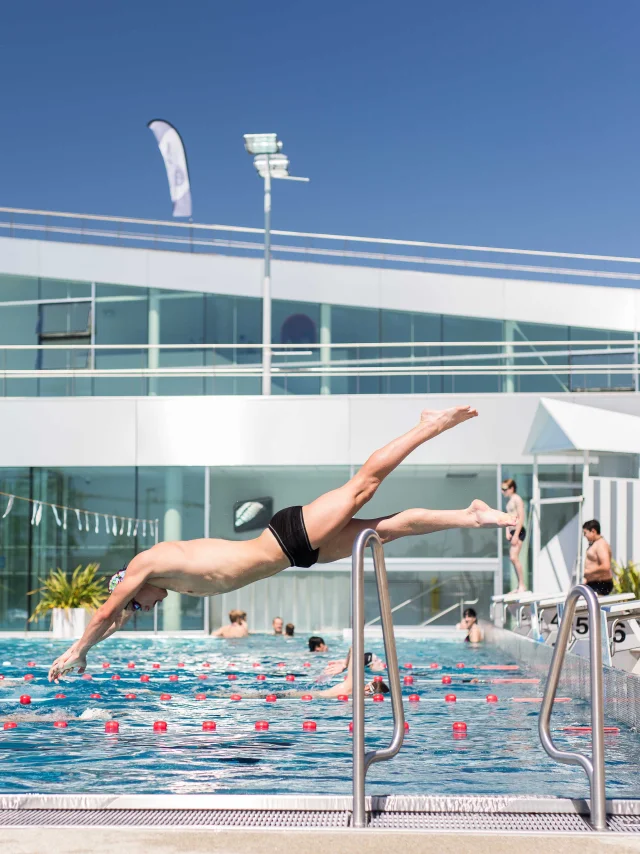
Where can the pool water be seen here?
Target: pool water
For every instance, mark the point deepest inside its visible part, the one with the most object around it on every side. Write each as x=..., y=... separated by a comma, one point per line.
x=500, y=754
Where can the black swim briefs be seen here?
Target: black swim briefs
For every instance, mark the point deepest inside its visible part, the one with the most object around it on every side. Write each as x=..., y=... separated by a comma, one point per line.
x=523, y=533
x=288, y=527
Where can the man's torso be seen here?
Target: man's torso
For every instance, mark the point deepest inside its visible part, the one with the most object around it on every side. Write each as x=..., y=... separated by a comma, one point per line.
x=593, y=571
x=206, y=567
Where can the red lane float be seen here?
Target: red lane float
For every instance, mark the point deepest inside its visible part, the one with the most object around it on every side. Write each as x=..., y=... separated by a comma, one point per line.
x=95, y=696
x=378, y=698
x=25, y=699
x=306, y=698
x=434, y=666
x=60, y=697
x=208, y=726
x=281, y=664
x=460, y=665
x=343, y=698
x=144, y=677
x=350, y=726
x=31, y=664
x=406, y=726
x=491, y=698
x=105, y=664
x=60, y=724
x=446, y=680
x=261, y=677
x=201, y=696
x=232, y=677
x=309, y=726
x=202, y=676
x=181, y=664
x=271, y=698
x=28, y=677
x=160, y=726
x=206, y=664
x=165, y=696
x=236, y=698
x=450, y=698
x=307, y=664
x=414, y=698
x=262, y=725
x=115, y=677
x=459, y=726
x=408, y=680
x=112, y=726
x=156, y=666
x=408, y=666
x=131, y=665
x=256, y=664
x=290, y=677
x=377, y=678
x=130, y=696
x=87, y=676
x=9, y=725
x=173, y=677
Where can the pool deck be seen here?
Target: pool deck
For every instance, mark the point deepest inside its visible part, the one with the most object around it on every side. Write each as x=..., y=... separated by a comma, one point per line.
x=140, y=840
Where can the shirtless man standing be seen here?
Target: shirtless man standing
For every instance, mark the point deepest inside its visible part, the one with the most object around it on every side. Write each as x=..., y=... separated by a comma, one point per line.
x=323, y=531
x=597, y=560
x=515, y=536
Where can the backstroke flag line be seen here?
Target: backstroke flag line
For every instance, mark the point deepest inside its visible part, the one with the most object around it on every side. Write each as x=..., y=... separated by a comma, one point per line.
x=175, y=161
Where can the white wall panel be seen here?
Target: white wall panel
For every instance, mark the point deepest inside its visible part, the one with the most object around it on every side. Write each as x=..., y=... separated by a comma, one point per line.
x=68, y=432
x=590, y=306
x=221, y=431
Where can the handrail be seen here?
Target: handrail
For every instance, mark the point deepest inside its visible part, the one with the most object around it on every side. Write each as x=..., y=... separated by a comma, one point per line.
x=406, y=602
x=593, y=765
x=362, y=761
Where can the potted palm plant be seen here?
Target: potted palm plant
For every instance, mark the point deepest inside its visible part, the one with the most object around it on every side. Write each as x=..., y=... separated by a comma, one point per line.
x=70, y=600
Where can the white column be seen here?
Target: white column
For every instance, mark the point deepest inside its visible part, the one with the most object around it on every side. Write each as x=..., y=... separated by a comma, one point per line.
x=171, y=611
x=535, y=526
x=498, y=582
x=154, y=337
x=325, y=345
x=509, y=333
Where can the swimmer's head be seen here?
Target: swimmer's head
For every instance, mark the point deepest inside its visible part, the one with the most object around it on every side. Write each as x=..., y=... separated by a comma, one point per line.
x=145, y=598
x=277, y=624
x=591, y=530
x=469, y=618
x=237, y=616
x=317, y=644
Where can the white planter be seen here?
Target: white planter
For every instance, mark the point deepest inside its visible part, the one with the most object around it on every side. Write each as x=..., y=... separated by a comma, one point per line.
x=69, y=622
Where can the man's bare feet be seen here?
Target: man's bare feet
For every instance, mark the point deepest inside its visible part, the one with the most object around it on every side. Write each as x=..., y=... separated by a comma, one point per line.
x=486, y=517
x=444, y=419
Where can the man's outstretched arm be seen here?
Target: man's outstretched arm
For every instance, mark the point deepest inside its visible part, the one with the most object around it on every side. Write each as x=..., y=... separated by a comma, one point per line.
x=107, y=619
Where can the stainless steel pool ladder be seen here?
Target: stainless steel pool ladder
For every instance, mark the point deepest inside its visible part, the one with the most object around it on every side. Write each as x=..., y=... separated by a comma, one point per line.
x=362, y=761
x=594, y=764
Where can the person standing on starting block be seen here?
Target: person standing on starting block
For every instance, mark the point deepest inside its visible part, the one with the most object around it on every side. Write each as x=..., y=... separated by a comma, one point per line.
x=515, y=535
x=322, y=531
x=597, y=560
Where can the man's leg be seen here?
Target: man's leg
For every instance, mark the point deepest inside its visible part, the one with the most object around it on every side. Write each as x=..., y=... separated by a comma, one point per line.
x=514, y=557
x=412, y=523
x=326, y=516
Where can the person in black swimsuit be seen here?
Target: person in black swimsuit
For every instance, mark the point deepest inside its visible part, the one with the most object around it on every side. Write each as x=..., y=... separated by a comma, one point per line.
x=322, y=531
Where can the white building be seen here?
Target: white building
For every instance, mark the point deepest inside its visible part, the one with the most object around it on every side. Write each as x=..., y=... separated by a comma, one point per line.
x=130, y=361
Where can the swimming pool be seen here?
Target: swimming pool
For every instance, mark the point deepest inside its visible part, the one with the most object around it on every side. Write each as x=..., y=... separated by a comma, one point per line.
x=500, y=754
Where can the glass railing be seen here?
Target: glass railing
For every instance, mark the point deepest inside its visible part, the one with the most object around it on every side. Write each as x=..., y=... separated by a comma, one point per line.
x=342, y=368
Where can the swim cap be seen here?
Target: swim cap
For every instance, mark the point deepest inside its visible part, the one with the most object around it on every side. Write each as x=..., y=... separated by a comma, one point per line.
x=117, y=578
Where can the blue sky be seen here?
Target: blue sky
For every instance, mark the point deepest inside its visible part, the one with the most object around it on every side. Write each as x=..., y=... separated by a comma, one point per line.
x=479, y=121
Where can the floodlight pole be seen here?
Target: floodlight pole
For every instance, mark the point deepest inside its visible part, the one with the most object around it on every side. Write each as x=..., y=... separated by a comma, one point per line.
x=266, y=286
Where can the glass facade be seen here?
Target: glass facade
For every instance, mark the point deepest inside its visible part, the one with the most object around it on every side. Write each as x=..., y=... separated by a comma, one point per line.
x=176, y=497
x=177, y=330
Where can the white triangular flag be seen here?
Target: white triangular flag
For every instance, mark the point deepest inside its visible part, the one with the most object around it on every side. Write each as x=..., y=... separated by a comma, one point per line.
x=55, y=513
x=97, y=524
x=135, y=530
x=86, y=521
x=144, y=527
x=38, y=514
x=12, y=498
x=34, y=512
x=122, y=526
x=114, y=528
x=64, y=518
x=129, y=522
x=77, y=512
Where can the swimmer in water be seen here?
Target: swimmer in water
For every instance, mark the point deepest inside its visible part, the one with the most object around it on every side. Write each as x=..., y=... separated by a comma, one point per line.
x=346, y=686
x=322, y=531
x=237, y=627
x=470, y=624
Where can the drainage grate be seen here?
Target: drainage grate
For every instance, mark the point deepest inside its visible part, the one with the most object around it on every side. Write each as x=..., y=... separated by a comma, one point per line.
x=173, y=818
x=522, y=822
x=624, y=823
